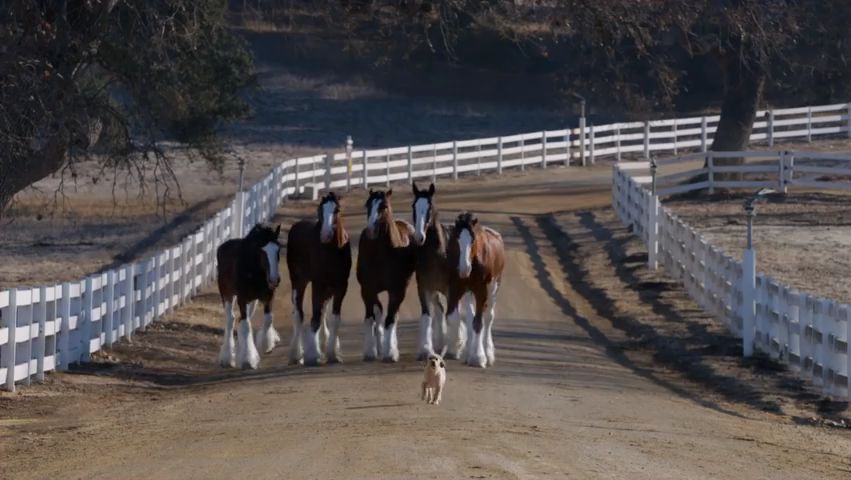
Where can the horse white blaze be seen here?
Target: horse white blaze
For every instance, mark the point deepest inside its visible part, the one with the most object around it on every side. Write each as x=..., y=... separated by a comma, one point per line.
x=465, y=244
x=421, y=207
x=271, y=250
x=327, y=230
x=372, y=218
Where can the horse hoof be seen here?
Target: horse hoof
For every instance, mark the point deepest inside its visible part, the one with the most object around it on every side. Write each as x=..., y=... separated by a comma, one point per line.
x=312, y=362
x=295, y=361
x=451, y=356
x=334, y=359
x=390, y=359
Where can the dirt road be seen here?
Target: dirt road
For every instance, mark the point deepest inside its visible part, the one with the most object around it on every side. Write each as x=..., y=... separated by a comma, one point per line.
x=574, y=394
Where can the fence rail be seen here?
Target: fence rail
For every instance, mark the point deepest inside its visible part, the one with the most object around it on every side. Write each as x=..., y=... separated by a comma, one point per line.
x=49, y=327
x=809, y=334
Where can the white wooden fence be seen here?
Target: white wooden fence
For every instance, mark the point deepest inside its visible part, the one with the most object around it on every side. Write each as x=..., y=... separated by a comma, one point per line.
x=809, y=334
x=52, y=326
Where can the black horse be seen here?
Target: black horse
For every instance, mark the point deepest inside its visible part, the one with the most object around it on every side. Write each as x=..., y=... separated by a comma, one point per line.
x=248, y=270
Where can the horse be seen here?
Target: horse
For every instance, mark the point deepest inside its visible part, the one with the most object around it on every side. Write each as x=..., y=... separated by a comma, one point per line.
x=319, y=253
x=478, y=254
x=433, y=273
x=248, y=270
x=386, y=262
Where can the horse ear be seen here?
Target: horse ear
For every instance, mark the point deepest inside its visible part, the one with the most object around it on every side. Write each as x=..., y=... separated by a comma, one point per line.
x=431, y=189
x=474, y=221
x=415, y=189
x=389, y=193
x=278, y=231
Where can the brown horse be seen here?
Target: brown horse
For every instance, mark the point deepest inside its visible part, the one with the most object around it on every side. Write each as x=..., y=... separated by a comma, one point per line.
x=433, y=274
x=386, y=262
x=248, y=270
x=319, y=252
x=479, y=256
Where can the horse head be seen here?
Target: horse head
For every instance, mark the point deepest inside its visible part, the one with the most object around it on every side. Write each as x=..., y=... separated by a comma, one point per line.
x=423, y=211
x=463, y=242
x=264, y=240
x=377, y=209
x=329, y=217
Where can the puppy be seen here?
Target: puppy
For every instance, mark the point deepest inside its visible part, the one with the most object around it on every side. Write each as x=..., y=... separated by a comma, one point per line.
x=434, y=379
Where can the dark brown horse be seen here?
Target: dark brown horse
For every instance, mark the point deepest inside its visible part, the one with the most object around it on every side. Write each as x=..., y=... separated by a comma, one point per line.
x=478, y=254
x=319, y=253
x=386, y=262
x=248, y=270
x=433, y=274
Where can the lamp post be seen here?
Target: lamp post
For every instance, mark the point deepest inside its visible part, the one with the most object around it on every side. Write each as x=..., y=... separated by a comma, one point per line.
x=748, y=286
x=653, y=168
x=652, y=223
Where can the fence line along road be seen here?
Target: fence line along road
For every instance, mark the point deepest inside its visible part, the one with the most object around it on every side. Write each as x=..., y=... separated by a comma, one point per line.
x=49, y=327
x=807, y=333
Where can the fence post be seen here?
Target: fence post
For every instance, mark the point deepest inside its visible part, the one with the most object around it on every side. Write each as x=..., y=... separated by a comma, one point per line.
x=848, y=112
x=591, y=143
x=499, y=155
x=86, y=328
x=365, y=172
x=297, y=188
x=781, y=165
x=129, y=300
x=748, y=300
x=544, y=149
x=349, y=144
x=703, y=134
x=110, y=307
x=454, y=159
x=646, y=139
x=329, y=161
x=387, y=168
x=42, y=334
x=809, y=124
x=790, y=172
x=652, y=231
x=582, y=139
x=479, y=160
x=522, y=154
x=618, y=141
x=434, y=164
x=65, y=328
x=410, y=165
x=157, y=284
x=567, y=148
x=674, y=131
x=770, y=128
x=710, y=167
x=11, y=343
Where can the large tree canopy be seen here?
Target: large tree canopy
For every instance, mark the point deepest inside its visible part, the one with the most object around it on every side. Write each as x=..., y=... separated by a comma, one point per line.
x=646, y=54
x=112, y=75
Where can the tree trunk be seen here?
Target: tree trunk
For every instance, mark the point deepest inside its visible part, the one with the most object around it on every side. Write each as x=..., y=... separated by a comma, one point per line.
x=743, y=87
x=20, y=173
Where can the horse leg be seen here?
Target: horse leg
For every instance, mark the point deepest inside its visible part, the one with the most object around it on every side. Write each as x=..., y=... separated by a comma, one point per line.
x=246, y=352
x=296, y=353
x=311, y=334
x=424, y=348
x=332, y=349
x=490, y=313
x=476, y=347
x=438, y=322
x=391, y=343
x=371, y=321
x=227, y=355
x=267, y=337
x=454, y=344
x=324, y=335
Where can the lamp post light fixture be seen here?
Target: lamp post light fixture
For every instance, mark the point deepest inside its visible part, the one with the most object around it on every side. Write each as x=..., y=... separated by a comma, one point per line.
x=750, y=211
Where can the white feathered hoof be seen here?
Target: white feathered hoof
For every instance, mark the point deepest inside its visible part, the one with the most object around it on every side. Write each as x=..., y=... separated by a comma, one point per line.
x=391, y=347
x=246, y=356
x=491, y=356
x=477, y=360
x=267, y=339
x=311, y=347
x=227, y=354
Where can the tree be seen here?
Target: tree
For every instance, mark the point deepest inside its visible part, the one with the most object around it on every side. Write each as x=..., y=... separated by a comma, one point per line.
x=114, y=77
x=634, y=51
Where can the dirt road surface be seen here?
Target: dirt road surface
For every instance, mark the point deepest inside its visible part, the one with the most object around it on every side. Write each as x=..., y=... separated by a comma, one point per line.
x=587, y=383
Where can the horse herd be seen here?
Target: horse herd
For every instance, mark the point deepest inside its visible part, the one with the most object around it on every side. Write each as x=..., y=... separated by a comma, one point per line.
x=449, y=262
